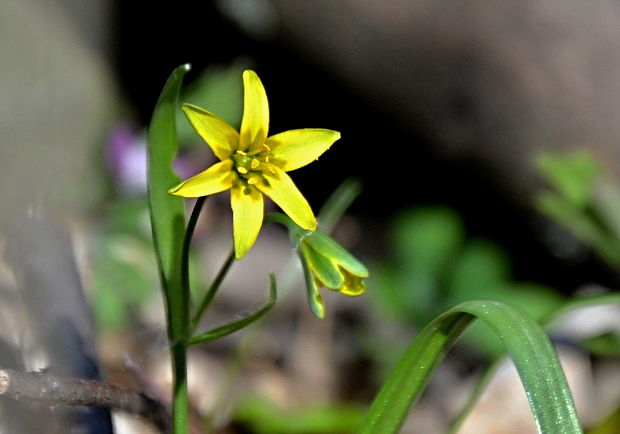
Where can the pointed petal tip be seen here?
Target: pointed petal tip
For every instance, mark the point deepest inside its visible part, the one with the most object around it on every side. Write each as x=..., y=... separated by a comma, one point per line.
x=309, y=225
x=187, y=107
x=241, y=250
x=174, y=190
x=249, y=72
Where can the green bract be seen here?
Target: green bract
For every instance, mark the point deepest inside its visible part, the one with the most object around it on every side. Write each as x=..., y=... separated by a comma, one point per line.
x=325, y=263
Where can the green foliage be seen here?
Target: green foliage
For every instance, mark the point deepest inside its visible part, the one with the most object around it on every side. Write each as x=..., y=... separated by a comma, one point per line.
x=528, y=346
x=571, y=175
x=121, y=279
x=263, y=417
x=603, y=345
x=583, y=199
x=435, y=267
x=124, y=272
x=168, y=225
x=425, y=242
x=167, y=211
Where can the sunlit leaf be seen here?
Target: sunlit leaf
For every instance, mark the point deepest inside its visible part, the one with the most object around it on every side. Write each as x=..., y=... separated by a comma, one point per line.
x=167, y=212
x=528, y=346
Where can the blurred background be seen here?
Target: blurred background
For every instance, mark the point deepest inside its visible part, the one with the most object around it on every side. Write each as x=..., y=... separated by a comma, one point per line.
x=484, y=136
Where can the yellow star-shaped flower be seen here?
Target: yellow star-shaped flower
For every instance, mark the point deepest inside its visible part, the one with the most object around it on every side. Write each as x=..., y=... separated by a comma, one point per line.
x=252, y=164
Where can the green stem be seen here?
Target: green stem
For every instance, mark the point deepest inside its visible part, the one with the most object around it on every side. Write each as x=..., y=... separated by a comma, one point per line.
x=189, y=233
x=211, y=292
x=180, y=404
x=296, y=233
x=278, y=217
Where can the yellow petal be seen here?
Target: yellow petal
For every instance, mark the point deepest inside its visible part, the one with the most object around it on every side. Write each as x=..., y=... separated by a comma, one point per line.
x=216, y=178
x=247, y=206
x=353, y=286
x=221, y=137
x=281, y=189
x=255, y=122
x=293, y=149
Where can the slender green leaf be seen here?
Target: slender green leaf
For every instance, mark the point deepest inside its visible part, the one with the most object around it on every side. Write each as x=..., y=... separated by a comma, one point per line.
x=167, y=223
x=234, y=326
x=571, y=305
x=337, y=203
x=167, y=212
x=528, y=346
x=315, y=301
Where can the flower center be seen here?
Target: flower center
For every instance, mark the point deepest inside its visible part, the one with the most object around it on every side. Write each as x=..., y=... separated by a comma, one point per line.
x=249, y=165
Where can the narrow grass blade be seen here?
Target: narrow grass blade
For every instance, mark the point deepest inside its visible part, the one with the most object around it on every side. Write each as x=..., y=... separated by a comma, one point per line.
x=569, y=306
x=528, y=346
x=234, y=326
x=337, y=203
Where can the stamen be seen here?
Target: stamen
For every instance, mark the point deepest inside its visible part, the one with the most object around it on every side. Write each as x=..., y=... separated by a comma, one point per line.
x=252, y=181
x=241, y=153
x=266, y=148
x=254, y=164
x=242, y=170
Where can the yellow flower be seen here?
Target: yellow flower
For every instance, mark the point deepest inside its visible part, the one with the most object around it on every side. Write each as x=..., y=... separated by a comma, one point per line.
x=252, y=164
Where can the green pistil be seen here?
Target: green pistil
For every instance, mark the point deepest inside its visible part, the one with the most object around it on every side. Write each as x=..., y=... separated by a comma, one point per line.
x=249, y=165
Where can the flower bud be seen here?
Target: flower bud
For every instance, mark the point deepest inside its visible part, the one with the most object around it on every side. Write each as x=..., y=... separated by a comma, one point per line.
x=326, y=264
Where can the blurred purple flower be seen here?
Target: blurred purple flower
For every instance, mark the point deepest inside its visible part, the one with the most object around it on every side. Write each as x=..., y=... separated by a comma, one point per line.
x=126, y=160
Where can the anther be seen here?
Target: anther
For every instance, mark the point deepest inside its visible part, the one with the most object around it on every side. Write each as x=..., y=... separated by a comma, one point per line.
x=252, y=181
x=242, y=170
x=254, y=164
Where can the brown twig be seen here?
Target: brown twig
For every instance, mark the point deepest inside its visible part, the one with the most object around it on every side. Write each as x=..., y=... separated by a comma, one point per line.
x=54, y=390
